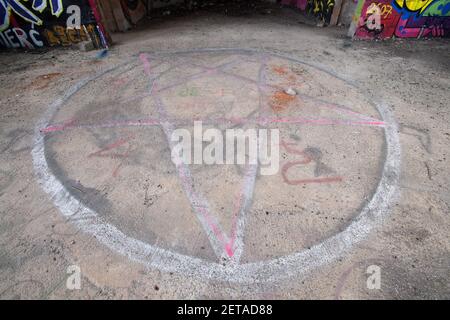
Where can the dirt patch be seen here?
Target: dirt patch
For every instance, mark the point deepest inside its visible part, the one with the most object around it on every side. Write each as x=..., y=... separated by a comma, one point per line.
x=42, y=81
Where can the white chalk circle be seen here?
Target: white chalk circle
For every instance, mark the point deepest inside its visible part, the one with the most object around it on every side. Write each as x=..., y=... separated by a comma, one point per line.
x=165, y=260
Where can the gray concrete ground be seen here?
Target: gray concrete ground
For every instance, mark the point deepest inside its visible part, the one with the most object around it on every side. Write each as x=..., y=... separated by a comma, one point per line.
x=87, y=179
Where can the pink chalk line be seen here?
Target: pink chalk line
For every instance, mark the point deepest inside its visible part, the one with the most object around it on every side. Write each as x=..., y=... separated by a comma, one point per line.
x=186, y=178
x=110, y=146
x=239, y=206
x=106, y=124
x=234, y=120
x=145, y=63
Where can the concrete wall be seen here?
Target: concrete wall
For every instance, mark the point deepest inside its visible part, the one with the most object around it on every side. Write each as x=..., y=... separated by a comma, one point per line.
x=38, y=23
x=380, y=19
x=347, y=12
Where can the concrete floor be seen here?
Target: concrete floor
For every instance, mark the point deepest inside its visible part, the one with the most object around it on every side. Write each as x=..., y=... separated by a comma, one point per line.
x=86, y=179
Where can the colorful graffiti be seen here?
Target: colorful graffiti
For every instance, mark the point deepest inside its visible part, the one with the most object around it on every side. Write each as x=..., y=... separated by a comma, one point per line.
x=38, y=23
x=322, y=9
x=403, y=19
x=6, y=6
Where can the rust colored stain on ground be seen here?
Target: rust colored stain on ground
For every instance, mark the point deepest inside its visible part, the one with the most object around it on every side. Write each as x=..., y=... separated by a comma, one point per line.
x=279, y=70
x=42, y=81
x=288, y=77
x=280, y=101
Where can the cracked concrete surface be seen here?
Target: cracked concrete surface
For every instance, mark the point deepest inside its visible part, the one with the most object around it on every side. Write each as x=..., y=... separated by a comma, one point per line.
x=124, y=173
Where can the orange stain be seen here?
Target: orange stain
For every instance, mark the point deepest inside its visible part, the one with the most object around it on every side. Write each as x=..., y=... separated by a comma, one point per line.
x=279, y=70
x=280, y=101
x=288, y=78
x=42, y=81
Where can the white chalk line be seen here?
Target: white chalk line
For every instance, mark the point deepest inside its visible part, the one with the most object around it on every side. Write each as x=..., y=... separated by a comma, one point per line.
x=227, y=249
x=217, y=238
x=199, y=204
x=270, y=270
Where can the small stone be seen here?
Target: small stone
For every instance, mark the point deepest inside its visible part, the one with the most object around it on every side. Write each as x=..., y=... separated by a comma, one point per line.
x=290, y=92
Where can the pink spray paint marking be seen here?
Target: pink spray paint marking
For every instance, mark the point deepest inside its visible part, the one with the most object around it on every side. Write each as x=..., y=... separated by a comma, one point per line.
x=111, y=146
x=229, y=247
x=59, y=127
x=323, y=121
x=233, y=120
x=185, y=175
x=307, y=159
x=106, y=124
x=145, y=63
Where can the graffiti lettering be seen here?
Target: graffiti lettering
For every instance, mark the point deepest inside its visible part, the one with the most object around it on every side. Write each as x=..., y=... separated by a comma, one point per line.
x=18, y=38
x=413, y=5
x=386, y=9
x=60, y=35
x=74, y=20
x=6, y=6
x=309, y=155
x=322, y=9
x=409, y=19
x=373, y=21
x=36, y=23
x=56, y=6
x=319, y=8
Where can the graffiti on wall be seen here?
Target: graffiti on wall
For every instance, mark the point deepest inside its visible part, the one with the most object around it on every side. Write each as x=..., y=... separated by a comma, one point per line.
x=322, y=9
x=38, y=23
x=404, y=19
